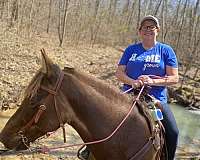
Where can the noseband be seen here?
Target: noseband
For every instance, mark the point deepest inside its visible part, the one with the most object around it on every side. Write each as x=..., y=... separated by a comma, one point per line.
x=42, y=107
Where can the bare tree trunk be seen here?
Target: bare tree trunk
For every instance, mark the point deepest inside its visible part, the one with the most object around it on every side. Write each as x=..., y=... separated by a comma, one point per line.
x=165, y=24
x=14, y=13
x=195, y=48
x=190, y=27
x=49, y=16
x=125, y=7
x=196, y=30
x=125, y=14
x=187, y=67
x=37, y=14
x=196, y=7
x=139, y=13
x=24, y=4
x=111, y=10
x=95, y=23
x=130, y=17
x=148, y=7
x=30, y=18
x=96, y=8
x=138, y=18
x=195, y=74
x=194, y=21
x=2, y=6
x=163, y=19
x=62, y=21
x=114, y=7
x=174, y=20
x=157, y=8
x=181, y=26
x=7, y=14
x=96, y=32
x=81, y=22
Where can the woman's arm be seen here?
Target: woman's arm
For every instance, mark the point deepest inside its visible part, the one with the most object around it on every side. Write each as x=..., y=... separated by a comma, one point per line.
x=171, y=78
x=121, y=75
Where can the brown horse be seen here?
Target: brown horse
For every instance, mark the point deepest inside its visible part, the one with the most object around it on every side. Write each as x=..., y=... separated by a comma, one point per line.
x=90, y=106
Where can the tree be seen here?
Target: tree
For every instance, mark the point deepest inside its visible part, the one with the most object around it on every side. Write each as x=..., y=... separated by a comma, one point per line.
x=49, y=16
x=63, y=6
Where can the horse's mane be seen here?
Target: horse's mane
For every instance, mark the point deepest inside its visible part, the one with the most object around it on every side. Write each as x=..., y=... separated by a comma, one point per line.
x=36, y=81
x=100, y=86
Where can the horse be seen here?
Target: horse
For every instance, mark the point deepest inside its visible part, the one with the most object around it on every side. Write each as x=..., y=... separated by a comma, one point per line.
x=92, y=107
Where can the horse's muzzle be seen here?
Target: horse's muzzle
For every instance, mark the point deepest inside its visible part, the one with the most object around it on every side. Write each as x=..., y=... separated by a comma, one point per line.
x=13, y=142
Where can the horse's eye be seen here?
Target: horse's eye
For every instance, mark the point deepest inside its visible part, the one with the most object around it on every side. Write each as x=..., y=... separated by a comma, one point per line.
x=34, y=100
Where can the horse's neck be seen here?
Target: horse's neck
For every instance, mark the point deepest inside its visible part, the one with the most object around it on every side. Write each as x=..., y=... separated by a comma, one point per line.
x=101, y=87
x=91, y=109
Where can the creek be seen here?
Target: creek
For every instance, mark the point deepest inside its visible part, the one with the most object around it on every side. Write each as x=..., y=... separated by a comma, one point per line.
x=189, y=128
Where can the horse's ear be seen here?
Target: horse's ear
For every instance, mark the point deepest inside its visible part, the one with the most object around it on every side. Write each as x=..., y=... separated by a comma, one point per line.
x=46, y=63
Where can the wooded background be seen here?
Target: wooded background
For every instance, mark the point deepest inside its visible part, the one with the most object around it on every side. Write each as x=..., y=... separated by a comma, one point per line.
x=107, y=22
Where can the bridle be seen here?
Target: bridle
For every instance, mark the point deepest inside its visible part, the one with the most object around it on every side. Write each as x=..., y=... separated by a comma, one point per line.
x=42, y=108
x=54, y=93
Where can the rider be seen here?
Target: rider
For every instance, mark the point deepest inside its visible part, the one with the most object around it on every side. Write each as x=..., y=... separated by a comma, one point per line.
x=153, y=63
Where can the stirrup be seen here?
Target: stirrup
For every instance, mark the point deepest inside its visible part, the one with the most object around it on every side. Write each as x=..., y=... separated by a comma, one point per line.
x=83, y=153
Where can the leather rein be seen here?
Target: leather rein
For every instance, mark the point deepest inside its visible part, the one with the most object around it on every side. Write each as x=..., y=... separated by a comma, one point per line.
x=54, y=92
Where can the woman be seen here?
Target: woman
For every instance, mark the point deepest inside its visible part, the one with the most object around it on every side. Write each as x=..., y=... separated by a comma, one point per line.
x=155, y=64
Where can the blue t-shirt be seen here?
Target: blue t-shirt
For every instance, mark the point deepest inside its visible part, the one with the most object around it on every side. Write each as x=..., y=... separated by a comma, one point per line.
x=153, y=61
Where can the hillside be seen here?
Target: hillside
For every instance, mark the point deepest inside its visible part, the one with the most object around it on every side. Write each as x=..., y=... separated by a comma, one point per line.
x=19, y=61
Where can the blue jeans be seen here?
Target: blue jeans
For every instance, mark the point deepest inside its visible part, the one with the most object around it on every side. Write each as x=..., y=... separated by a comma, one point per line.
x=171, y=131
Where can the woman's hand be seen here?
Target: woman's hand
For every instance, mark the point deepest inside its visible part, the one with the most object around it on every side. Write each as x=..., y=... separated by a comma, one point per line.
x=137, y=83
x=146, y=79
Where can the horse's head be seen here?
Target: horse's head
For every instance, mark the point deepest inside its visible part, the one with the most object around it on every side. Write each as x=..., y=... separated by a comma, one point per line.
x=32, y=120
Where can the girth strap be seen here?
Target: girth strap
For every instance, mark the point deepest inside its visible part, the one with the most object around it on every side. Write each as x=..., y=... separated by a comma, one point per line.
x=140, y=154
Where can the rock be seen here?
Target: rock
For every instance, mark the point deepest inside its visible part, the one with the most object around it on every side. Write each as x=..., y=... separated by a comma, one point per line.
x=90, y=63
x=12, y=105
x=178, y=95
x=197, y=104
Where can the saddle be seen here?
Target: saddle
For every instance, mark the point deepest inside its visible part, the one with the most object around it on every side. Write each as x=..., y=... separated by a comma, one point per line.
x=147, y=105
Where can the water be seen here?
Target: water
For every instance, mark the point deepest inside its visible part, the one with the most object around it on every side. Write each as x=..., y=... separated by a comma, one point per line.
x=189, y=127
